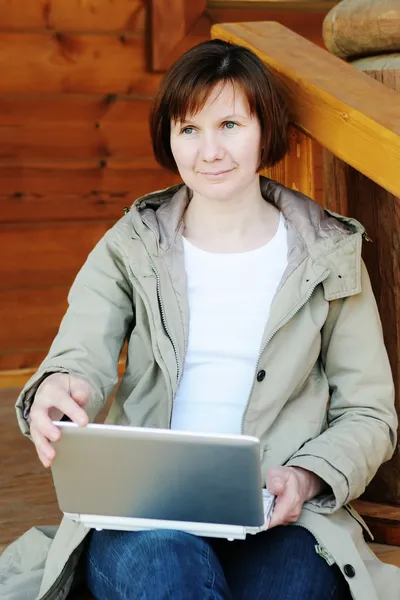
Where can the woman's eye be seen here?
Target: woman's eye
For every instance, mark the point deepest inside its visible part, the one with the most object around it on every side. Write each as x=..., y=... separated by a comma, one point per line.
x=230, y=125
x=187, y=130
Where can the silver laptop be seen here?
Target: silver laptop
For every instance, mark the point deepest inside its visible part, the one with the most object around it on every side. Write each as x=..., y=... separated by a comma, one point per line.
x=134, y=478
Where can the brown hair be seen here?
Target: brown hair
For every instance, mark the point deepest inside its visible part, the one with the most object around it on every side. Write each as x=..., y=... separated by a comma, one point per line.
x=188, y=83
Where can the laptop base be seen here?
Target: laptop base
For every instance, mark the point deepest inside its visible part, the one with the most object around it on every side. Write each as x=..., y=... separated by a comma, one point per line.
x=215, y=530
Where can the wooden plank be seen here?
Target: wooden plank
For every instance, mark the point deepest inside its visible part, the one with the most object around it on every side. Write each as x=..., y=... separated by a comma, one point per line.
x=28, y=497
x=44, y=255
x=354, y=117
x=301, y=169
x=82, y=177
x=379, y=212
x=384, y=531
x=21, y=358
x=376, y=510
x=306, y=23
x=37, y=126
x=21, y=468
x=387, y=554
x=30, y=318
x=74, y=63
x=18, y=377
x=73, y=15
x=293, y=5
x=61, y=207
x=164, y=39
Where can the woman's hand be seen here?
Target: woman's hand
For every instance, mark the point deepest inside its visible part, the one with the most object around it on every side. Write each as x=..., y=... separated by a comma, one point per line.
x=59, y=394
x=292, y=487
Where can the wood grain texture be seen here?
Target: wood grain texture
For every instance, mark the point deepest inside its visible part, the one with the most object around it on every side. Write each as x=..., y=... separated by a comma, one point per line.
x=41, y=126
x=73, y=15
x=354, y=117
x=383, y=66
x=74, y=63
x=362, y=28
x=301, y=169
x=14, y=359
x=387, y=554
x=29, y=319
x=44, y=255
x=41, y=208
x=171, y=22
x=18, y=377
x=379, y=212
x=82, y=177
x=304, y=18
x=193, y=20
x=27, y=496
x=292, y=5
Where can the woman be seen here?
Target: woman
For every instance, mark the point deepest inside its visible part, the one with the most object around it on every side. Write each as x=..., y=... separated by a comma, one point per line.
x=245, y=306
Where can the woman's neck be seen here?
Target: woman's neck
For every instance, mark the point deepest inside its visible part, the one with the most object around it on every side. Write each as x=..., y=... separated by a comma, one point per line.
x=239, y=224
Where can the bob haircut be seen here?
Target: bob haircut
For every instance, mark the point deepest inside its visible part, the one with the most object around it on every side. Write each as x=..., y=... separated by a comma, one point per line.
x=189, y=82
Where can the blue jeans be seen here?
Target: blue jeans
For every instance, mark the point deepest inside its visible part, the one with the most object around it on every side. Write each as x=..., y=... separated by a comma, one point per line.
x=280, y=564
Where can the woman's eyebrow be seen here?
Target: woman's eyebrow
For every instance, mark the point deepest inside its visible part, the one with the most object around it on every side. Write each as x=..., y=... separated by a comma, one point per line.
x=225, y=118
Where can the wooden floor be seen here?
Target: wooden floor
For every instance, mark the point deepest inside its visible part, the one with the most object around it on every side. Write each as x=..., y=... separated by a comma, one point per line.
x=27, y=496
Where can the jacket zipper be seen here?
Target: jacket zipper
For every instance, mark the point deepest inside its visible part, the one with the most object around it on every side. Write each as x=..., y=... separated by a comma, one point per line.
x=319, y=547
x=164, y=321
x=54, y=591
x=283, y=322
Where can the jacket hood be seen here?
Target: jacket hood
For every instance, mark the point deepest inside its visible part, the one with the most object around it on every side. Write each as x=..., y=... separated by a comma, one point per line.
x=330, y=240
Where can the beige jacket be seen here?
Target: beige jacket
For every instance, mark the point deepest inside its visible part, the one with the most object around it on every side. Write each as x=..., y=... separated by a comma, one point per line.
x=323, y=338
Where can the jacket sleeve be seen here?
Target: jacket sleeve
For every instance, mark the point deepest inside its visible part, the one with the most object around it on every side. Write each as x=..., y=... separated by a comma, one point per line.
x=92, y=332
x=361, y=420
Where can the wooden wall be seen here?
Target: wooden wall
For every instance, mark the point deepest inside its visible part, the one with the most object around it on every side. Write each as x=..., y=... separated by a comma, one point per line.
x=74, y=99
x=75, y=91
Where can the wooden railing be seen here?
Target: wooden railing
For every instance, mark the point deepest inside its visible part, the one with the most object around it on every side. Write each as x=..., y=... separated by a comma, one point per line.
x=340, y=111
x=354, y=117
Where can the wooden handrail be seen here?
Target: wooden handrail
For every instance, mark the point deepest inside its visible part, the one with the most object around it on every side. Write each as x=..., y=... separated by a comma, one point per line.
x=351, y=115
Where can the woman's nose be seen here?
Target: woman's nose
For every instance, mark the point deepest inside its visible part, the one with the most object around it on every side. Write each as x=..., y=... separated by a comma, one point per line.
x=211, y=148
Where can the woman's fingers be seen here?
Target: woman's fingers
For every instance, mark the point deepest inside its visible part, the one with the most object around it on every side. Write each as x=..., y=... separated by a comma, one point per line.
x=44, y=449
x=79, y=390
x=282, y=483
x=58, y=398
x=59, y=394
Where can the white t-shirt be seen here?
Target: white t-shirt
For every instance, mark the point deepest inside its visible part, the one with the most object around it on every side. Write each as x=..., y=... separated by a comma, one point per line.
x=230, y=296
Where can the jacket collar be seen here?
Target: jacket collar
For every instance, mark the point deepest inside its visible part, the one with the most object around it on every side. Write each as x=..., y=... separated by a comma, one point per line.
x=328, y=240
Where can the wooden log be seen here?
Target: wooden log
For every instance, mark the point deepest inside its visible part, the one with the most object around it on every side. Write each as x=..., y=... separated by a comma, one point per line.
x=40, y=126
x=183, y=16
x=42, y=208
x=12, y=360
x=362, y=28
x=379, y=211
x=74, y=63
x=45, y=178
x=30, y=319
x=48, y=254
x=73, y=15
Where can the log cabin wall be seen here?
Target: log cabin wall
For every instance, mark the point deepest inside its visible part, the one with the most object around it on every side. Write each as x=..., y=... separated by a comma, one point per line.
x=74, y=98
x=75, y=91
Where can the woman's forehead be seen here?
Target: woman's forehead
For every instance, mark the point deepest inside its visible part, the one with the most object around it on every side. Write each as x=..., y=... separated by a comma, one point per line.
x=226, y=98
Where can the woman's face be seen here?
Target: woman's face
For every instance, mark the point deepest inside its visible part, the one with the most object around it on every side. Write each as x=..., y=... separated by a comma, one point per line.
x=217, y=150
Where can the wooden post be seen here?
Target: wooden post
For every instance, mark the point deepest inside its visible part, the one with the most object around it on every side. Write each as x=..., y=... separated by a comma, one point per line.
x=301, y=169
x=372, y=29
